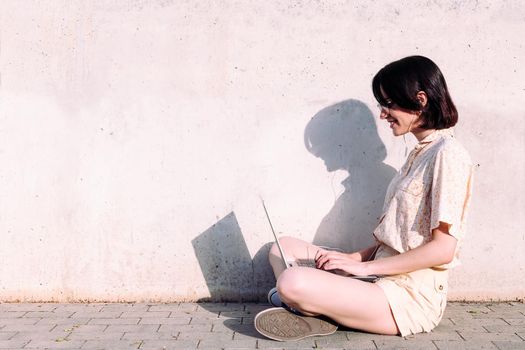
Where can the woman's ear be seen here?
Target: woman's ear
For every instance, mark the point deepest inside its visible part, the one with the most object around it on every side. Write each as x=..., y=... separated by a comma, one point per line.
x=422, y=98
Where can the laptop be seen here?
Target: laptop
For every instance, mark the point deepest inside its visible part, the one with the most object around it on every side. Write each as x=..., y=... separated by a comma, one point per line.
x=305, y=262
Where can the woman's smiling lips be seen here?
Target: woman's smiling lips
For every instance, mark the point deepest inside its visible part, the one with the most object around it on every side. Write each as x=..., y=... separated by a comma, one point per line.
x=391, y=121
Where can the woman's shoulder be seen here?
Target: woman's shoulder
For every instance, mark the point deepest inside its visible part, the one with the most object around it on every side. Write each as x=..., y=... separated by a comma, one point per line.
x=450, y=148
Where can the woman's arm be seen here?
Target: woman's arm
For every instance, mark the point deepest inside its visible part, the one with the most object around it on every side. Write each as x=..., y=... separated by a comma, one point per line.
x=440, y=250
x=365, y=254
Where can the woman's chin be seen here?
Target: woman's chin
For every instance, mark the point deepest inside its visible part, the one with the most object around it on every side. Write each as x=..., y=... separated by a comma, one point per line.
x=397, y=131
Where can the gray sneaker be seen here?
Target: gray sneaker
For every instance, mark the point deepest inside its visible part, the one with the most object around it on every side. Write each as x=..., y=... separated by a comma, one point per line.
x=273, y=298
x=279, y=324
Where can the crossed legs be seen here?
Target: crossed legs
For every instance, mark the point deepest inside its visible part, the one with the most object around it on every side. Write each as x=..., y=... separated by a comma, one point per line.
x=349, y=302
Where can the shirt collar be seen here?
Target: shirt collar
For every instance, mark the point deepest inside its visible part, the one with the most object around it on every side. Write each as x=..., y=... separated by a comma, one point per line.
x=435, y=135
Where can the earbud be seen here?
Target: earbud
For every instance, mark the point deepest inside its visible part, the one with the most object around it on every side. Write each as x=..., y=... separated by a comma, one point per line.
x=411, y=122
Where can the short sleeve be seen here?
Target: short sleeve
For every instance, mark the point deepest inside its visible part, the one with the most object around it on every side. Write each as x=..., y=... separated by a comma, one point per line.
x=451, y=189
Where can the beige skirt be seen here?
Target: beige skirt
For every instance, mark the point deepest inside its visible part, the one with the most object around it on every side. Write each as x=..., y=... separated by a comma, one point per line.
x=417, y=299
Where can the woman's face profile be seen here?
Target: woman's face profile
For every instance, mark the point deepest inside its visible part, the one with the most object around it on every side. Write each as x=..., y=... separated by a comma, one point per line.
x=400, y=120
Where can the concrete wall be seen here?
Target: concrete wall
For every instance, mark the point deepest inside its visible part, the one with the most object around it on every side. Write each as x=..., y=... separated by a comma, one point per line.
x=136, y=137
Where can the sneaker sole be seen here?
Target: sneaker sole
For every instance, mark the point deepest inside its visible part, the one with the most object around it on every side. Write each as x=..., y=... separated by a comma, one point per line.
x=282, y=325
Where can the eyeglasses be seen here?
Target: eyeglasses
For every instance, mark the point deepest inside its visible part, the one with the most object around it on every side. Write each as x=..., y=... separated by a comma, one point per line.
x=387, y=108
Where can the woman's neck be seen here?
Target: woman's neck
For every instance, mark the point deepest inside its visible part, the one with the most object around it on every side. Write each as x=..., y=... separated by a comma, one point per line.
x=420, y=134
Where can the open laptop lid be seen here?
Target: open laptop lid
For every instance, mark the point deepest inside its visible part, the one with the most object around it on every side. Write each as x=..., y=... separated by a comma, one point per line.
x=281, y=251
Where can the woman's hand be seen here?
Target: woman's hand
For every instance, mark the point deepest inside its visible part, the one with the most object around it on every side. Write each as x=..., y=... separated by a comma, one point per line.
x=340, y=263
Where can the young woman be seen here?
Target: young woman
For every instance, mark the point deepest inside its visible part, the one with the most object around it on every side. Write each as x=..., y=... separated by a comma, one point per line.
x=417, y=237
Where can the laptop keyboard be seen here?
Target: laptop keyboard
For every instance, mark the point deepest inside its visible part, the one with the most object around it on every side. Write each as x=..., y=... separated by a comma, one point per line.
x=306, y=263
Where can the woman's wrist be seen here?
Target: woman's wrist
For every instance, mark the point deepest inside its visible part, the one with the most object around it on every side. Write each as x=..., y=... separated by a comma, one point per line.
x=356, y=256
x=368, y=268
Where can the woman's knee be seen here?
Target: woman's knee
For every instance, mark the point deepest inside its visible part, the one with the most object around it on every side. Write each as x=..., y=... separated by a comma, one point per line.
x=292, y=285
x=285, y=243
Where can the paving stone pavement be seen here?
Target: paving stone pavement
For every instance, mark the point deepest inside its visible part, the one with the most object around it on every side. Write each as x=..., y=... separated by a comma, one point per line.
x=230, y=326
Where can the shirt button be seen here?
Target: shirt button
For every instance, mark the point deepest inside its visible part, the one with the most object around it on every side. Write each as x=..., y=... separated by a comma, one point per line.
x=440, y=287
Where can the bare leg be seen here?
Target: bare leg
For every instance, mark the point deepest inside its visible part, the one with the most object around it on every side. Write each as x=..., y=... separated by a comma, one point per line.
x=350, y=302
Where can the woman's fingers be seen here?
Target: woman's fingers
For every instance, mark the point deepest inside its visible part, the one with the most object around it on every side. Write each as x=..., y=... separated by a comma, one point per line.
x=320, y=252
x=319, y=258
x=323, y=258
x=329, y=256
x=338, y=268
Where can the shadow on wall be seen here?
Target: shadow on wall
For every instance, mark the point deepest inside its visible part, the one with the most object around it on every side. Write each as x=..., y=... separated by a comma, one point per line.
x=345, y=137
x=229, y=271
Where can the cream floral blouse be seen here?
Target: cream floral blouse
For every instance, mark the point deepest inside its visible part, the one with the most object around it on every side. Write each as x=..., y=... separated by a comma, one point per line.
x=433, y=186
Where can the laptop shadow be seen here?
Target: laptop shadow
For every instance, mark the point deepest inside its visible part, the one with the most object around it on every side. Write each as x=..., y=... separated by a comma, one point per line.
x=225, y=261
x=232, y=276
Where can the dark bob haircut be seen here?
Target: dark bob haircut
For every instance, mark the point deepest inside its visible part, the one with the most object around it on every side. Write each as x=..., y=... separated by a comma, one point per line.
x=402, y=80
